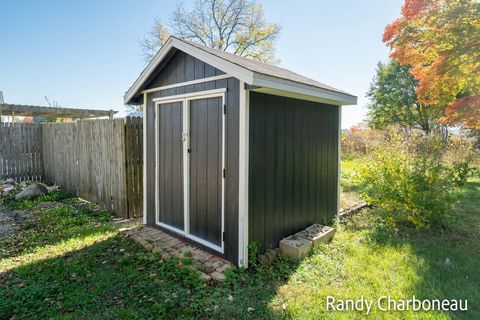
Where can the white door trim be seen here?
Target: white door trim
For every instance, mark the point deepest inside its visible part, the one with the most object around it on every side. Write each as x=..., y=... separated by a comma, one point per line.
x=188, y=83
x=243, y=177
x=192, y=95
x=145, y=200
x=339, y=169
x=186, y=99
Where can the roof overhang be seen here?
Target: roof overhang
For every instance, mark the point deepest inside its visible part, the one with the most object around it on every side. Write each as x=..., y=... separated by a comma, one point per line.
x=282, y=87
x=260, y=82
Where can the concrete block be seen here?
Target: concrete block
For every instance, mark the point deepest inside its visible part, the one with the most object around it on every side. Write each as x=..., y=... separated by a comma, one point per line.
x=317, y=233
x=295, y=247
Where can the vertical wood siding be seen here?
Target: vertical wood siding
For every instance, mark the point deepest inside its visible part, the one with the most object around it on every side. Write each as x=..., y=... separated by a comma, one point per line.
x=149, y=166
x=180, y=68
x=170, y=164
x=293, y=166
x=21, y=151
x=206, y=169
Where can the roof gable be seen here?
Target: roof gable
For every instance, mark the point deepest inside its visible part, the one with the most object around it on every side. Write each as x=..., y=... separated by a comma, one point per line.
x=260, y=76
x=181, y=67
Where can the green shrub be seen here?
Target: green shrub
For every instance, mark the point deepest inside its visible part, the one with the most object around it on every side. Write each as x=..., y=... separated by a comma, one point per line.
x=348, y=181
x=359, y=140
x=411, y=184
x=253, y=250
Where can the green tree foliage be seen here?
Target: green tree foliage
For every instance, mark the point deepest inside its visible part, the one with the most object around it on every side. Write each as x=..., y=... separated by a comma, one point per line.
x=236, y=26
x=394, y=101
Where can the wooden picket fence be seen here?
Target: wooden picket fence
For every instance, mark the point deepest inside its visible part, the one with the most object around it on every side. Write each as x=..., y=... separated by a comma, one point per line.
x=98, y=160
x=21, y=151
x=134, y=165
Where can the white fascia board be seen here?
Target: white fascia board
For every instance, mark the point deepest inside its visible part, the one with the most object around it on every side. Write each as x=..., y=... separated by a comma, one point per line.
x=219, y=63
x=230, y=68
x=266, y=83
x=148, y=71
x=287, y=88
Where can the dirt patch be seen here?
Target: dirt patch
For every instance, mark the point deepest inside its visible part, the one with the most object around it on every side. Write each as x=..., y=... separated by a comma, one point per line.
x=11, y=221
x=48, y=205
x=349, y=199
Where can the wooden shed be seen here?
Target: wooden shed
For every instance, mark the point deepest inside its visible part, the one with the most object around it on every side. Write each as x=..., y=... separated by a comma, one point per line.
x=236, y=151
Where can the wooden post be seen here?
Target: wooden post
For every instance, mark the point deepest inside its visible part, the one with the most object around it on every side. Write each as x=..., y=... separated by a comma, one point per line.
x=1, y=105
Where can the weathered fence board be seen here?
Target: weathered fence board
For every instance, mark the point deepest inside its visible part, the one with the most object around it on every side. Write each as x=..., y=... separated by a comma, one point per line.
x=21, y=151
x=87, y=158
x=134, y=165
x=99, y=160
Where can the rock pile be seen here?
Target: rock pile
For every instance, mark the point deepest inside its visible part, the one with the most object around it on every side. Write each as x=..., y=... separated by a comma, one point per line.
x=24, y=190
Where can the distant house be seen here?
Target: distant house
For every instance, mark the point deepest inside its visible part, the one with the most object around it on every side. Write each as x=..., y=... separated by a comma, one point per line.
x=236, y=151
x=6, y=119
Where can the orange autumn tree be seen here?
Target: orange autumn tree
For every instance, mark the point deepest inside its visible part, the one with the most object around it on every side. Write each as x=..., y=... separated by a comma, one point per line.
x=440, y=39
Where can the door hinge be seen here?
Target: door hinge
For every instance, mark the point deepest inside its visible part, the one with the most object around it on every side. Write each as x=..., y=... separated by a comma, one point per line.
x=189, y=150
x=224, y=109
x=224, y=173
x=223, y=236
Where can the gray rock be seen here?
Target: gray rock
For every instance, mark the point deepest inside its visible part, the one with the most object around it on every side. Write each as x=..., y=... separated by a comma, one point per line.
x=448, y=263
x=10, y=181
x=53, y=189
x=5, y=190
x=32, y=191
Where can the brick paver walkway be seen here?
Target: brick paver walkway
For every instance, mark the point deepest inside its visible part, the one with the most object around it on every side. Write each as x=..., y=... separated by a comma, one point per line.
x=209, y=265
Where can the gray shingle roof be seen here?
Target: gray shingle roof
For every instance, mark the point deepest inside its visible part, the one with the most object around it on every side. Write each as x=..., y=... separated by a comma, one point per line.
x=264, y=68
x=260, y=76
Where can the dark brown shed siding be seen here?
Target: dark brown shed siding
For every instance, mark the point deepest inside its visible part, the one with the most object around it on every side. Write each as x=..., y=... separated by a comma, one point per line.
x=180, y=68
x=293, y=166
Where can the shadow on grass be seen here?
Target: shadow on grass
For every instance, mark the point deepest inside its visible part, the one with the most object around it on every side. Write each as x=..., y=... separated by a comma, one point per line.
x=117, y=279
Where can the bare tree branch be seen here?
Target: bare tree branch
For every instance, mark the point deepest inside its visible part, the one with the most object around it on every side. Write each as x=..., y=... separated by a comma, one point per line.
x=236, y=26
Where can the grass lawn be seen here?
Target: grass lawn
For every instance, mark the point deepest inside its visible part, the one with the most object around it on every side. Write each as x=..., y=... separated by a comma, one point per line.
x=72, y=263
x=349, y=198
x=349, y=165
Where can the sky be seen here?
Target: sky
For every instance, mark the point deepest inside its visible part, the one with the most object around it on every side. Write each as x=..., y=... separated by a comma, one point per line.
x=86, y=54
